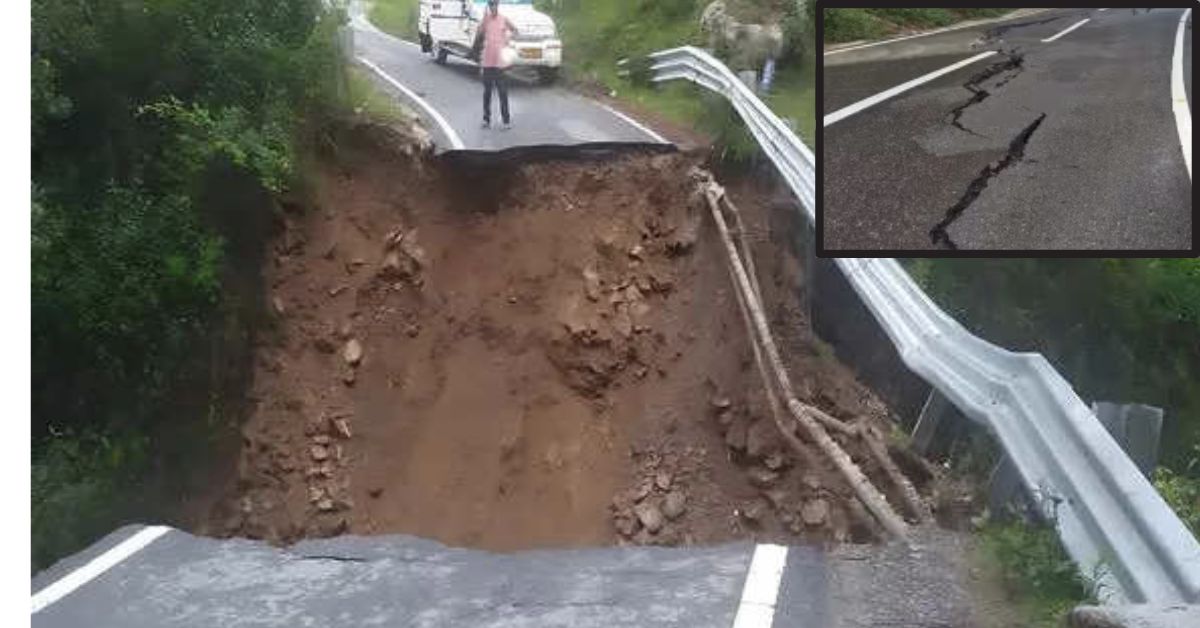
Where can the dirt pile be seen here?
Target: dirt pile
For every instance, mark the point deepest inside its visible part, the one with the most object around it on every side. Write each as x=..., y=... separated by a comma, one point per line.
x=546, y=354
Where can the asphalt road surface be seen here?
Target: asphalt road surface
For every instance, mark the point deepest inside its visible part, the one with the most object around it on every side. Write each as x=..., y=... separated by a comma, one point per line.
x=177, y=580
x=449, y=98
x=1067, y=144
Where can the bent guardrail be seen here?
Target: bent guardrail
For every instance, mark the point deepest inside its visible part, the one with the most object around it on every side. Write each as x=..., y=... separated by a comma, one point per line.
x=1113, y=523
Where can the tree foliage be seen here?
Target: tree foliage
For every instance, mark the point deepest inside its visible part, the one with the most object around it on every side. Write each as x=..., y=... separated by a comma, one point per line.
x=135, y=103
x=1124, y=330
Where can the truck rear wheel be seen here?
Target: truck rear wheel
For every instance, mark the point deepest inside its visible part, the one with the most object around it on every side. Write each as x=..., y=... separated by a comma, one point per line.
x=441, y=54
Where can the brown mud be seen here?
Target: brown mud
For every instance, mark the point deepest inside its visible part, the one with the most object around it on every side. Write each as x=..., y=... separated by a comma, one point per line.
x=550, y=355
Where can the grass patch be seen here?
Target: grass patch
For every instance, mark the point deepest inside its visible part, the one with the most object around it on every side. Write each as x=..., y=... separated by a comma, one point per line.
x=395, y=17
x=367, y=98
x=793, y=98
x=1035, y=570
x=852, y=24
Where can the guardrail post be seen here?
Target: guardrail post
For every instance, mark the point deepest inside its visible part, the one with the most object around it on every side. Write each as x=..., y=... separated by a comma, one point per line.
x=1136, y=428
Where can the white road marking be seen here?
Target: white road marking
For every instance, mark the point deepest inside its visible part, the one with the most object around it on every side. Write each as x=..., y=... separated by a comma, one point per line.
x=635, y=124
x=1068, y=29
x=761, y=591
x=455, y=141
x=98, y=565
x=1179, y=101
x=1101, y=10
x=850, y=110
x=926, y=34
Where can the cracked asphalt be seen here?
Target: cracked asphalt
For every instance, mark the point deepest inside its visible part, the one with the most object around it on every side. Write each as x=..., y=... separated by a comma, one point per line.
x=1063, y=145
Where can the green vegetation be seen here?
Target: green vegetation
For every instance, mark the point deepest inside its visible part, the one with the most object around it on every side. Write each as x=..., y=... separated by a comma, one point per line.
x=367, y=98
x=1118, y=329
x=161, y=131
x=841, y=25
x=1182, y=490
x=1035, y=570
x=398, y=17
x=1124, y=330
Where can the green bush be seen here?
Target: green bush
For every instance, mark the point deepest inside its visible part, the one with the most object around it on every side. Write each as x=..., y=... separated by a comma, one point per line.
x=135, y=105
x=398, y=17
x=916, y=17
x=1121, y=330
x=1036, y=570
x=849, y=24
x=1181, y=491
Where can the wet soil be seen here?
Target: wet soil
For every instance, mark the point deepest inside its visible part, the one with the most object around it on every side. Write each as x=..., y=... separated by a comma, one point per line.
x=545, y=354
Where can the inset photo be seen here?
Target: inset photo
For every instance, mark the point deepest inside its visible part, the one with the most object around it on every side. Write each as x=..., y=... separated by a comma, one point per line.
x=1000, y=131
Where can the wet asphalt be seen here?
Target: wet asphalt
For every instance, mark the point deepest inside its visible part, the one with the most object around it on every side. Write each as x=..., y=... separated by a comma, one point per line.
x=1103, y=170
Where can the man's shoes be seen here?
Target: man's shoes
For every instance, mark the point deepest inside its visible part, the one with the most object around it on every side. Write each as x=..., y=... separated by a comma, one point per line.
x=487, y=124
x=506, y=126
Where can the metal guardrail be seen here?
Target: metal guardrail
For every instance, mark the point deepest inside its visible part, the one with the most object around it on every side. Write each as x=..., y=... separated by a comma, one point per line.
x=1113, y=523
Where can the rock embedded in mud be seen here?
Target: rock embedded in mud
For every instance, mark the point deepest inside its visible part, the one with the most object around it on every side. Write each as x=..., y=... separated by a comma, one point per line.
x=637, y=252
x=340, y=427
x=352, y=353
x=625, y=523
x=591, y=283
x=280, y=308
x=721, y=403
x=662, y=480
x=775, y=461
x=319, y=452
x=325, y=505
x=759, y=438
x=321, y=439
x=650, y=516
x=735, y=435
x=762, y=478
x=754, y=511
x=674, y=505
x=815, y=512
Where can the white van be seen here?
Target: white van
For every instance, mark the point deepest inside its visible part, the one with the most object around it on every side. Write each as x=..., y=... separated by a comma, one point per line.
x=448, y=27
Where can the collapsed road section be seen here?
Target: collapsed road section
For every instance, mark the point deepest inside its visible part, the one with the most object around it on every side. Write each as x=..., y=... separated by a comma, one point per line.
x=540, y=352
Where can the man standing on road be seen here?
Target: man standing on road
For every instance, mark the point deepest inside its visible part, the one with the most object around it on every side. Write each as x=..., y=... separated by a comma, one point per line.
x=495, y=30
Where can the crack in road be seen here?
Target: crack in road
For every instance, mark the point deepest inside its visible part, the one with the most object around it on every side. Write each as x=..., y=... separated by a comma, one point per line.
x=1014, y=63
x=1016, y=153
x=995, y=33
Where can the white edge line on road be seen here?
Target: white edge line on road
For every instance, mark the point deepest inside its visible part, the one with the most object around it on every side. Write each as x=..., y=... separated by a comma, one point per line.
x=1067, y=30
x=455, y=141
x=757, y=606
x=850, y=110
x=98, y=565
x=932, y=32
x=1179, y=101
x=1101, y=10
x=635, y=124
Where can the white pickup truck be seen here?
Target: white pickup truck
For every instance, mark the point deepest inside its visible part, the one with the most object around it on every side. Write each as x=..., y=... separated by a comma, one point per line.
x=448, y=27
